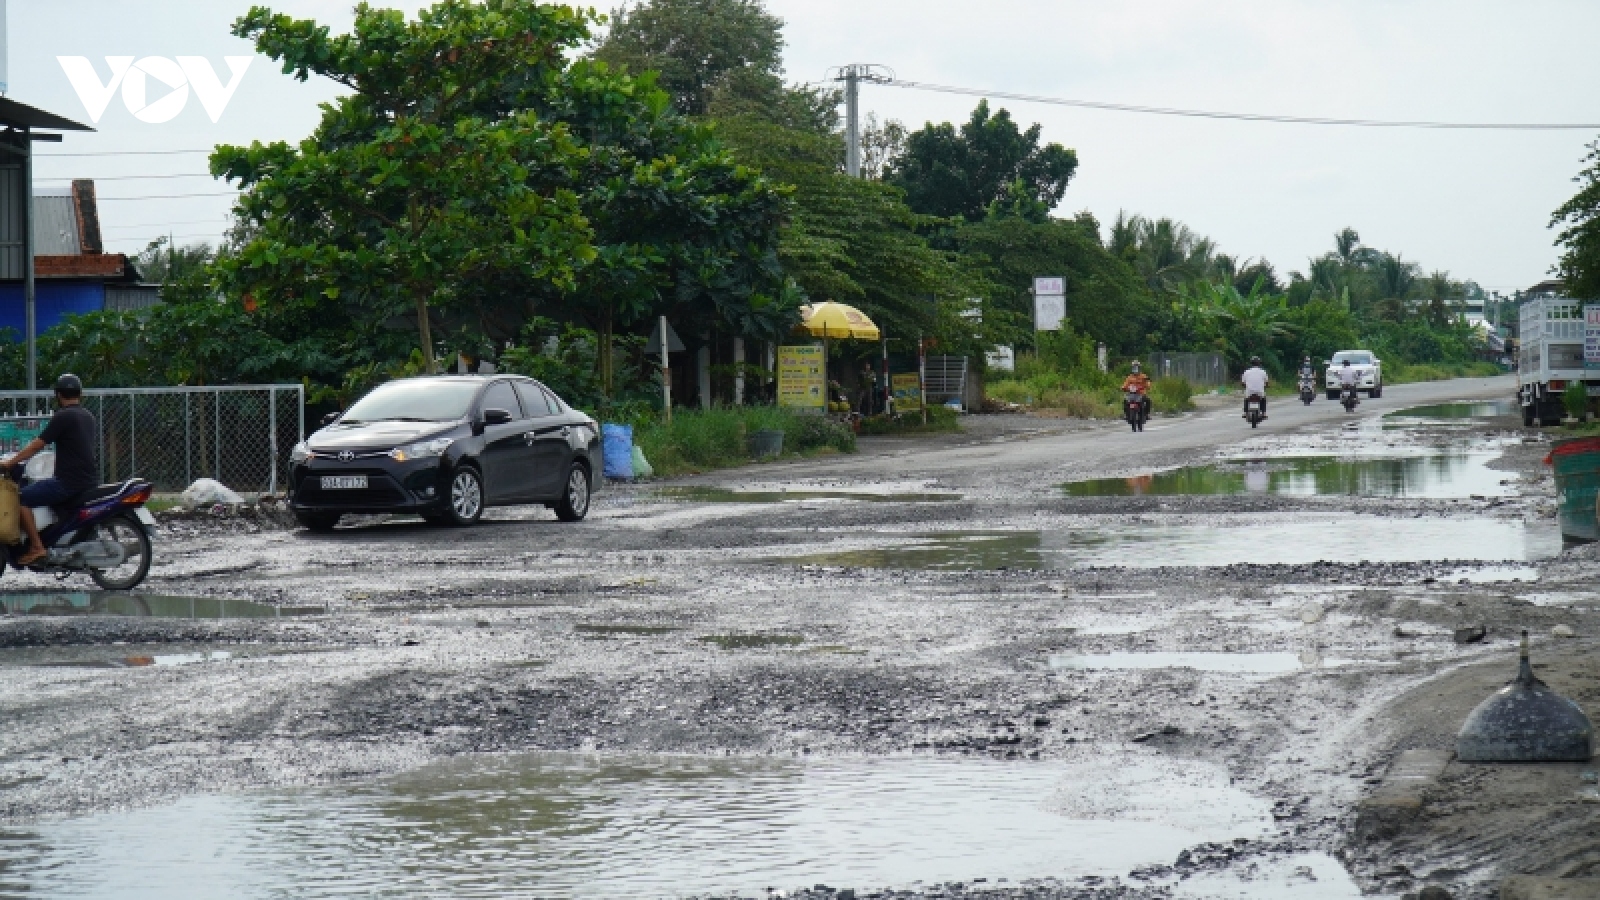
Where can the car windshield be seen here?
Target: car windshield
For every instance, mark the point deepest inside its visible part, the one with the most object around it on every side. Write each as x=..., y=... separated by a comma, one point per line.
x=1355, y=359
x=418, y=400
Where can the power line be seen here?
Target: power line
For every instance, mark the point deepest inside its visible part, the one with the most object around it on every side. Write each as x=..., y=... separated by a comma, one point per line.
x=119, y=153
x=1245, y=117
x=171, y=196
x=130, y=177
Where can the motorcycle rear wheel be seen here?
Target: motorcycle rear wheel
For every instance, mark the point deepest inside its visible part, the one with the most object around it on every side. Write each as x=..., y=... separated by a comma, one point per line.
x=135, y=542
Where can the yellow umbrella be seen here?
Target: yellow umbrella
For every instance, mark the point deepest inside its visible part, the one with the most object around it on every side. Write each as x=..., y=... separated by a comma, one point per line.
x=836, y=320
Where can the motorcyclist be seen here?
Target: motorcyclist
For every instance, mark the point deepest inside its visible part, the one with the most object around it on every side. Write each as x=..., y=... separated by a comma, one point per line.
x=1255, y=380
x=1138, y=383
x=74, y=432
x=1348, y=376
x=1306, y=369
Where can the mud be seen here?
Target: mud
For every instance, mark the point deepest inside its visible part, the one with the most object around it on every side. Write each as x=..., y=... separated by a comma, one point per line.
x=666, y=628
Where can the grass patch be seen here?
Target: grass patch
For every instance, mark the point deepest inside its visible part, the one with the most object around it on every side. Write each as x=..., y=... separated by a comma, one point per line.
x=1401, y=373
x=700, y=440
x=940, y=421
x=1100, y=398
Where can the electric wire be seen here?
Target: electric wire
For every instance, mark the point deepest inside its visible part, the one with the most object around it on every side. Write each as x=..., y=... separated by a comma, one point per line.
x=1237, y=116
x=130, y=177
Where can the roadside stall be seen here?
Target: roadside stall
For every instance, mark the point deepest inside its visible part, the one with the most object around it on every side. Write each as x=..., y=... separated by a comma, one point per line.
x=803, y=382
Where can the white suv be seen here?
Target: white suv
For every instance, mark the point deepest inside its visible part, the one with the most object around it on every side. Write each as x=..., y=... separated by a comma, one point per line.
x=1369, y=372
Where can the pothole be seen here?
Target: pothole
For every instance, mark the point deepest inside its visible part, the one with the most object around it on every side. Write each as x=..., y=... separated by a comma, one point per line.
x=753, y=641
x=1270, y=663
x=161, y=606
x=730, y=495
x=1432, y=476
x=601, y=632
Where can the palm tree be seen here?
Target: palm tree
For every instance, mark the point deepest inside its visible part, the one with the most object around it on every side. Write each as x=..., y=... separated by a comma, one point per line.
x=1165, y=253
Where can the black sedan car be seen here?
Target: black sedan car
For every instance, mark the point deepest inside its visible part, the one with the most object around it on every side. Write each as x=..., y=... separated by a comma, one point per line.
x=447, y=448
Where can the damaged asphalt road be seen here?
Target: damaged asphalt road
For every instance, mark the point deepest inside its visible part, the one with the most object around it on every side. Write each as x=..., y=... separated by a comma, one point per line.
x=972, y=626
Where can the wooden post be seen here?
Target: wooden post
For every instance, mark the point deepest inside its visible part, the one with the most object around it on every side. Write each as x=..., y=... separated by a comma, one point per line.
x=666, y=376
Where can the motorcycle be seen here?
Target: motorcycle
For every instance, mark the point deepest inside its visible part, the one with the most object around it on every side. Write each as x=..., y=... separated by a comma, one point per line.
x=1308, y=389
x=1136, y=409
x=1347, y=396
x=105, y=533
x=1253, y=411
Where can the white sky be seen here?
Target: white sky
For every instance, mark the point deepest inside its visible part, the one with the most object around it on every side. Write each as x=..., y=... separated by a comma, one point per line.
x=1473, y=203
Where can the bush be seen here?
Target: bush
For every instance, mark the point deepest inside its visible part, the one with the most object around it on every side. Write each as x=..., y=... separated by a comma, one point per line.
x=1171, y=395
x=698, y=440
x=1576, y=400
x=941, y=420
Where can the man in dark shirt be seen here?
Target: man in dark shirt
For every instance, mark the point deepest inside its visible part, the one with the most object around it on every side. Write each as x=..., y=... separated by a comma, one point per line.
x=75, y=433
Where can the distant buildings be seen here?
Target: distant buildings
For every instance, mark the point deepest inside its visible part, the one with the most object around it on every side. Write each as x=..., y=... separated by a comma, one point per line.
x=72, y=272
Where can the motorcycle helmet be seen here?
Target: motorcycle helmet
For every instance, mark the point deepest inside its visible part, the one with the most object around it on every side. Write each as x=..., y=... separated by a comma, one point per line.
x=69, y=386
x=1136, y=367
x=1255, y=360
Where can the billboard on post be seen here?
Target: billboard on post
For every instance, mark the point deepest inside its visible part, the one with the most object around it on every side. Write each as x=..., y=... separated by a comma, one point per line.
x=1049, y=303
x=907, y=389
x=802, y=383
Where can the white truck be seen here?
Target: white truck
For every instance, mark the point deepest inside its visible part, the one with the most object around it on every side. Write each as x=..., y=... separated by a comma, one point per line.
x=1551, y=356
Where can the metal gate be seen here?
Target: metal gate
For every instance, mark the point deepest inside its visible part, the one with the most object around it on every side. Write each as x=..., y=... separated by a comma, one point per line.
x=239, y=435
x=945, y=379
x=1201, y=369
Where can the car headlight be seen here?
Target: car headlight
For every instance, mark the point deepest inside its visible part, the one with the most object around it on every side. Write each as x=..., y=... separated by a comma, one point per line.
x=424, y=450
x=299, y=454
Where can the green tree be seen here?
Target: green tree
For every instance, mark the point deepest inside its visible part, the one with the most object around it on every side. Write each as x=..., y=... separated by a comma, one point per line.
x=475, y=178
x=1167, y=254
x=1250, y=324
x=1579, y=238
x=949, y=172
x=162, y=262
x=697, y=46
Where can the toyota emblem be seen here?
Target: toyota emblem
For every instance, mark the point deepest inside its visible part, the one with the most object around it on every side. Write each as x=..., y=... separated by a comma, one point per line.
x=346, y=456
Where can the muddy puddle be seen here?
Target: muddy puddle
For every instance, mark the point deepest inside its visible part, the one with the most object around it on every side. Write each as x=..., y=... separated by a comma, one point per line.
x=604, y=632
x=753, y=641
x=1278, y=663
x=729, y=495
x=1433, y=476
x=577, y=826
x=94, y=603
x=1350, y=539
x=1469, y=409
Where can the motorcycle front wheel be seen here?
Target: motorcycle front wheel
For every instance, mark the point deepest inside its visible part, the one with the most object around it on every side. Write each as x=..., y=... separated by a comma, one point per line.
x=135, y=543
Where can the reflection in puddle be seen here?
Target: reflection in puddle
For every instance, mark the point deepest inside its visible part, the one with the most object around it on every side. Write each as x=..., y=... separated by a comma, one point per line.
x=1348, y=540
x=606, y=631
x=1446, y=475
x=753, y=641
x=1230, y=663
x=1490, y=574
x=728, y=495
x=1470, y=409
x=139, y=662
x=568, y=826
x=146, y=606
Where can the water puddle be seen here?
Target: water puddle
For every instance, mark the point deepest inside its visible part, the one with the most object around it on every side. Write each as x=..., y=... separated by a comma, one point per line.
x=146, y=606
x=753, y=641
x=1350, y=539
x=1490, y=575
x=1226, y=663
x=139, y=662
x=729, y=495
x=573, y=826
x=1467, y=409
x=602, y=632
x=1436, y=476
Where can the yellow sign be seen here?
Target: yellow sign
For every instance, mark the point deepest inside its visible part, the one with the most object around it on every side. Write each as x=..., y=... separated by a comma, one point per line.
x=907, y=392
x=802, y=378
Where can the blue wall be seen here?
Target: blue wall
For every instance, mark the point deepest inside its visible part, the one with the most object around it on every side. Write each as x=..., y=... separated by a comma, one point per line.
x=53, y=300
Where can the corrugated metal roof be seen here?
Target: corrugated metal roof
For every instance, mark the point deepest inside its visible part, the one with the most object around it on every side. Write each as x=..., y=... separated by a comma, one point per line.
x=55, y=226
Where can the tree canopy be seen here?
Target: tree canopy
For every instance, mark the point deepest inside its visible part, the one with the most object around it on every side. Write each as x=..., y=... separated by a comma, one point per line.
x=1579, y=238
x=963, y=172
x=697, y=46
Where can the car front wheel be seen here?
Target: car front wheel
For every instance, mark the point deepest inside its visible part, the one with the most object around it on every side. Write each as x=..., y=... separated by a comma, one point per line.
x=574, y=502
x=466, y=497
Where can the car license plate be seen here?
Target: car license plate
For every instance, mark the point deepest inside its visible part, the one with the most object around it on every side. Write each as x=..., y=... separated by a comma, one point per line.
x=344, y=483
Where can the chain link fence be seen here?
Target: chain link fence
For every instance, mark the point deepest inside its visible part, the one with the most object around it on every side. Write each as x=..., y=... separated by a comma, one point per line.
x=239, y=435
x=1201, y=369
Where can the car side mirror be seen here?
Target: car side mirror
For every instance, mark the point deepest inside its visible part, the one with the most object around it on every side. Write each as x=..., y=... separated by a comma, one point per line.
x=331, y=418
x=496, y=417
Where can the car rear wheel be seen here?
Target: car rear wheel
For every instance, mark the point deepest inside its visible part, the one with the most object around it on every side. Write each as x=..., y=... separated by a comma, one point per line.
x=466, y=498
x=317, y=521
x=574, y=502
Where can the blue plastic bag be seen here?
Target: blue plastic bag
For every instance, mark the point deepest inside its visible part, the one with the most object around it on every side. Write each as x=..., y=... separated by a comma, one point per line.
x=616, y=443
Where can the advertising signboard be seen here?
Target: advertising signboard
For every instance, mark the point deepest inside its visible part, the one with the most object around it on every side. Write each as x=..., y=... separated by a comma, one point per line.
x=907, y=391
x=1591, y=336
x=1049, y=303
x=802, y=382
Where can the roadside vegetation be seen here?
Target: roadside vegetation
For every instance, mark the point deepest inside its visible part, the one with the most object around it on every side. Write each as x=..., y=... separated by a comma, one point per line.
x=589, y=177
x=700, y=440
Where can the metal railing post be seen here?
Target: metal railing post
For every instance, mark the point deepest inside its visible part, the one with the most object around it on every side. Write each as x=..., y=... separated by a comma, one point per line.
x=133, y=435
x=216, y=433
x=188, y=429
x=102, y=430
x=272, y=427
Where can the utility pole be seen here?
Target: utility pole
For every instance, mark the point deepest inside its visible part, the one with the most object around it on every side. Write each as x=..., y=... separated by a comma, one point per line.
x=852, y=76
